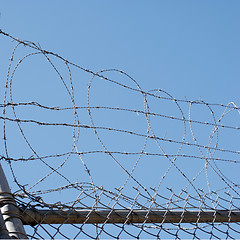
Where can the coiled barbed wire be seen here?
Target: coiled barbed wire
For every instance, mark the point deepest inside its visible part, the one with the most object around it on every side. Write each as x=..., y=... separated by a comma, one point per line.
x=193, y=174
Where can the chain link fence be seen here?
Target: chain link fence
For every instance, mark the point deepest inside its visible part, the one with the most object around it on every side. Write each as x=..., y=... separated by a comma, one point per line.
x=94, y=155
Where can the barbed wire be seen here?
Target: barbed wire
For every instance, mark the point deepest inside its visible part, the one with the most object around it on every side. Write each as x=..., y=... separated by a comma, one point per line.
x=117, y=156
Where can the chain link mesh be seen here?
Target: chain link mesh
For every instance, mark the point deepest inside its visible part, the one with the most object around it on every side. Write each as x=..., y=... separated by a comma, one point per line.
x=94, y=155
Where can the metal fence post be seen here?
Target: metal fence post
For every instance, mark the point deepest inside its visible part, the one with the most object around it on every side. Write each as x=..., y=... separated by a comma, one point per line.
x=10, y=212
x=3, y=230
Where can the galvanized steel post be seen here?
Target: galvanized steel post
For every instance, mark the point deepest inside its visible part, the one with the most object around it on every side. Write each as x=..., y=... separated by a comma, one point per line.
x=11, y=223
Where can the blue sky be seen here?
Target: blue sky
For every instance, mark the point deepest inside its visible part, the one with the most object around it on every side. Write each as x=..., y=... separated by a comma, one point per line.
x=186, y=45
x=190, y=49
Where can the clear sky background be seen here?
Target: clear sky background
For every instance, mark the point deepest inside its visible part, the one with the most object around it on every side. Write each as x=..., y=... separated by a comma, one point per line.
x=187, y=48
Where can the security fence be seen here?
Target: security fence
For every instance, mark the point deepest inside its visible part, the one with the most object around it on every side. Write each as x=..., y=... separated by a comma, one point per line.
x=94, y=155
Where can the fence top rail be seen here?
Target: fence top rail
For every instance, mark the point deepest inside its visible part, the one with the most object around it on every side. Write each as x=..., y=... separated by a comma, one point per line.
x=33, y=217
